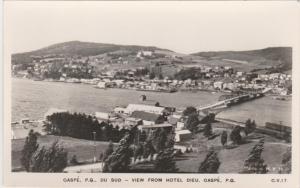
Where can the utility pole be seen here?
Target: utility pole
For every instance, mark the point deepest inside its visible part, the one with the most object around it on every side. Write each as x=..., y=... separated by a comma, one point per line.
x=94, y=136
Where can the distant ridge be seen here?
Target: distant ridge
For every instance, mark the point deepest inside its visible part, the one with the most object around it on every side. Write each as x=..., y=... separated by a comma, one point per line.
x=73, y=48
x=273, y=56
x=279, y=57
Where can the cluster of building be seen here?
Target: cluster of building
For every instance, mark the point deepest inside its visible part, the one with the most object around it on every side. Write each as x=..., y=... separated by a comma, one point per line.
x=147, y=118
x=160, y=74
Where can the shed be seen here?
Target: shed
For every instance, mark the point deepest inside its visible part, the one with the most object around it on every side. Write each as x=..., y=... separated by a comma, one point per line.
x=182, y=135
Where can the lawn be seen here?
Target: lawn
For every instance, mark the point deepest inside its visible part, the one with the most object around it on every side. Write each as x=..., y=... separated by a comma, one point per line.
x=232, y=160
x=83, y=149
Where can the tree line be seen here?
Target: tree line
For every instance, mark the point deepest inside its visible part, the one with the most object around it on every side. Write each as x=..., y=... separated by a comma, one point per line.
x=82, y=126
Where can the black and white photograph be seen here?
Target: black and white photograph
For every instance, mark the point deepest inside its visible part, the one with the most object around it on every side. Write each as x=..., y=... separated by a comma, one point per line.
x=134, y=87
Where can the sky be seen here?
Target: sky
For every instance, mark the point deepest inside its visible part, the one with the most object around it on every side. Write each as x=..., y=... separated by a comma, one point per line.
x=184, y=27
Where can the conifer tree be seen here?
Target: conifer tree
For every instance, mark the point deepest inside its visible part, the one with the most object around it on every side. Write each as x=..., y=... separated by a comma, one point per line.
x=109, y=150
x=53, y=159
x=165, y=161
x=119, y=160
x=207, y=130
x=235, y=135
x=29, y=148
x=210, y=164
x=224, y=138
x=286, y=166
x=254, y=164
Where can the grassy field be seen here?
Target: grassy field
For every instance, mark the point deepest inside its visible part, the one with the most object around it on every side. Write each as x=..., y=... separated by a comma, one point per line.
x=232, y=160
x=83, y=149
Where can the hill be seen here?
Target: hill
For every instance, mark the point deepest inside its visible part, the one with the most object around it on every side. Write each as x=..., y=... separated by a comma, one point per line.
x=268, y=57
x=275, y=59
x=78, y=48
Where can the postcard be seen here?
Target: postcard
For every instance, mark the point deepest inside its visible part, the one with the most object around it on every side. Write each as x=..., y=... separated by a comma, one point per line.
x=151, y=93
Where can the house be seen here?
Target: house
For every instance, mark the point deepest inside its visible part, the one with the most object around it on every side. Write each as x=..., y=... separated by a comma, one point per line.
x=176, y=121
x=148, y=118
x=130, y=121
x=141, y=54
x=182, y=135
x=149, y=128
x=102, y=115
x=218, y=85
x=239, y=74
x=145, y=108
x=101, y=85
x=119, y=110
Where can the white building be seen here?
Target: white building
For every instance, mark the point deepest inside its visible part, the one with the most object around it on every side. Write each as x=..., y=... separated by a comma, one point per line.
x=218, y=85
x=119, y=110
x=146, y=108
x=101, y=85
x=102, y=115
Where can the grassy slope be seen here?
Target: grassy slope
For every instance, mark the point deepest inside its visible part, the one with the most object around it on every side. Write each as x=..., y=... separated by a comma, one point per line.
x=232, y=160
x=78, y=48
x=273, y=56
x=84, y=149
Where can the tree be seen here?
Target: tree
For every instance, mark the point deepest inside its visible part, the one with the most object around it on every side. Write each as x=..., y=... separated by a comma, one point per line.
x=109, y=150
x=210, y=164
x=235, y=135
x=192, y=122
x=148, y=149
x=53, y=159
x=29, y=149
x=152, y=75
x=189, y=110
x=165, y=161
x=138, y=151
x=207, y=130
x=254, y=164
x=143, y=136
x=250, y=126
x=119, y=160
x=159, y=139
x=286, y=166
x=224, y=137
x=74, y=160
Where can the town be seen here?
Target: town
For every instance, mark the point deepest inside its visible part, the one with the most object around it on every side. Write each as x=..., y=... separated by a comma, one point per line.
x=160, y=73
